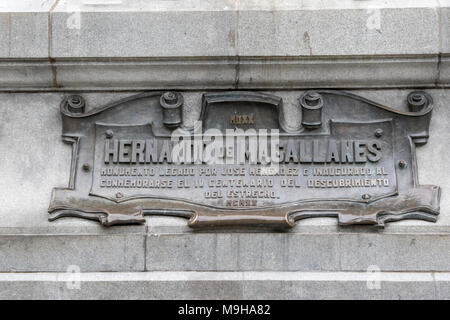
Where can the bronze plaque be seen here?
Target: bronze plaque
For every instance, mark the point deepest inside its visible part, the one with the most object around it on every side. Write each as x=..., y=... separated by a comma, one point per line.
x=241, y=164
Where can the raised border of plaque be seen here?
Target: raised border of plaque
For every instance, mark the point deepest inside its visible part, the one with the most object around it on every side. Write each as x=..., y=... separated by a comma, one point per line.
x=348, y=157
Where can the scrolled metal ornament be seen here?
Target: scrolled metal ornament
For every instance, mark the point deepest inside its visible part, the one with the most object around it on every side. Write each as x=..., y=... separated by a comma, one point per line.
x=348, y=157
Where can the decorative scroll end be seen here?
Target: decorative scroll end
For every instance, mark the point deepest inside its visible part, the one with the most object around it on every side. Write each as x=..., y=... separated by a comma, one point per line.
x=74, y=104
x=112, y=219
x=171, y=104
x=239, y=219
x=420, y=139
x=418, y=101
x=312, y=104
x=106, y=219
x=421, y=204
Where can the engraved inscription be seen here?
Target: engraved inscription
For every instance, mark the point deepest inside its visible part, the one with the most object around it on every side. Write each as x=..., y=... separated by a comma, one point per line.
x=241, y=169
x=243, y=163
x=242, y=119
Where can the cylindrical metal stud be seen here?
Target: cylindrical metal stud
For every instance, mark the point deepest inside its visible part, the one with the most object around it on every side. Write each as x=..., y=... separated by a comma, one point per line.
x=171, y=103
x=312, y=104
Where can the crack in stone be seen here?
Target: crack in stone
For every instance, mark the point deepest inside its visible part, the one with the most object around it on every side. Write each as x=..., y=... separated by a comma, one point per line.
x=50, y=47
x=438, y=73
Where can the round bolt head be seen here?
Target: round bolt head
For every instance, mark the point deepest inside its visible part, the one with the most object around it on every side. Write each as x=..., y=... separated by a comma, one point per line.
x=86, y=167
x=312, y=95
x=170, y=97
x=312, y=98
x=109, y=133
x=402, y=164
x=378, y=133
x=75, y=100
x=75, y=104
x=416, y=97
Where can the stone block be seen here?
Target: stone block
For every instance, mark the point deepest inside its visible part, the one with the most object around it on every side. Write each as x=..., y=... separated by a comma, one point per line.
x=160, y=74
x=32, y=253
x=145, y=34
x=354, y=72
x=222, y=285
x=24, y=35
x=444, y=71
x=27, y=75
x=242, y=251
x=445, y=27
x=338, y=32
x=397, y=252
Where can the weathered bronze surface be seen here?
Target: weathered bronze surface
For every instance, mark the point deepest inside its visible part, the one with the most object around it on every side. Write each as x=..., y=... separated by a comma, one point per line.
x=349, y=158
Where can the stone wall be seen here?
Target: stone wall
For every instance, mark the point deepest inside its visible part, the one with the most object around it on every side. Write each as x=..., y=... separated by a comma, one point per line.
x=379, y=50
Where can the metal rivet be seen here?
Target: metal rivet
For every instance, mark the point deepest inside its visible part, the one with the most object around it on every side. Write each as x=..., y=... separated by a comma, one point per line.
x=170, y=97
x=109, y=133
x=378, y=133
x=119, y=195
x=86, y=167
x=311, y=103
x=402, y=164
x=416, y=97
x=417, y=101
x=366, y=196
x=75, y=104
x=312, y=98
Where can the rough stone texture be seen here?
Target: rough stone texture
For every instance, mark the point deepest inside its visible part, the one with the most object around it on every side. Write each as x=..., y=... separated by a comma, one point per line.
x=445, y=26
x=140, y=74
x=337, y=290
x=95, y=252
x=25, y=75
x=444, y=70
x=442, y=286
x=395, y=252
x=157, y=290
x=4, y=35
x=223, y=44
x=225, y=285
x=35, y=160
x=24, y=35
x=298, y=252
x=220, y=73
x=356, y=72
x=242, y=251
x=29, y=35
x=337, y=32
x=247, y=33
x=101, y=34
